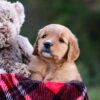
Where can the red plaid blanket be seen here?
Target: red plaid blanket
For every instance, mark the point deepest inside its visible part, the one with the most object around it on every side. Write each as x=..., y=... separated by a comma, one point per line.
x=15, y=87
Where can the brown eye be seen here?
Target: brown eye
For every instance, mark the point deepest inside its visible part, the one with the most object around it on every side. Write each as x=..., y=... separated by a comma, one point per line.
x=11, y=20
x=44, y=36
x=61, y=40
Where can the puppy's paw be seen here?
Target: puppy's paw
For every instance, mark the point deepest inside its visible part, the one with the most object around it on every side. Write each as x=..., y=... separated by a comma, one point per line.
x=36, y=76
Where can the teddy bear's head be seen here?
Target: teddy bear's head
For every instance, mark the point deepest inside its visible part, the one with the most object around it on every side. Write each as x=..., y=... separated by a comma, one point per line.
x=11, y=19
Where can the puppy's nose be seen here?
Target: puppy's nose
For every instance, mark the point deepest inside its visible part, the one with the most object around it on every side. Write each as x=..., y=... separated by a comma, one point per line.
x=47, y=45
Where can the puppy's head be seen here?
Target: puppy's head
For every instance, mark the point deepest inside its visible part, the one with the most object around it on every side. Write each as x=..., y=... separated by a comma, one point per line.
x=56, y=42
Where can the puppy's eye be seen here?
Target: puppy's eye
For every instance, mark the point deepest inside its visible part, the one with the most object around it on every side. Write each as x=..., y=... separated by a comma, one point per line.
x=11, y=20
x=61, y=40
x=44, y=36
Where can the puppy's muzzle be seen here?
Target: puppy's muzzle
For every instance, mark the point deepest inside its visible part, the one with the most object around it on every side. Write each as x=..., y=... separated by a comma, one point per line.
x=48, y=45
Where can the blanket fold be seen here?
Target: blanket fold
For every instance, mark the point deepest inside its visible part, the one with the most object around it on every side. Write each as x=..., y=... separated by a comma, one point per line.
x=17, y=87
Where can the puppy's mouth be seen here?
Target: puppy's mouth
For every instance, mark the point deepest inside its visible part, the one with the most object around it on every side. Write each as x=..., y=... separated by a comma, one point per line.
x=46, y=53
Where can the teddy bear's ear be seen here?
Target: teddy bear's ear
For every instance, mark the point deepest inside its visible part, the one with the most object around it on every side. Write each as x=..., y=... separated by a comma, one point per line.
x=20, y=11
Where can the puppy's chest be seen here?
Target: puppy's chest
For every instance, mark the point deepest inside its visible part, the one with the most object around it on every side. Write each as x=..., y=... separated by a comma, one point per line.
x=50, y=66
x=51, y=69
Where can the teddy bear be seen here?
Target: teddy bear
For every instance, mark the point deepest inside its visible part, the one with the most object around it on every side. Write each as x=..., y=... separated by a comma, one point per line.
x=15, y=49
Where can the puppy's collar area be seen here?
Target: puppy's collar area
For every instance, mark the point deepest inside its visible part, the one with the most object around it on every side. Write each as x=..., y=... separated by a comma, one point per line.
x=53, y=60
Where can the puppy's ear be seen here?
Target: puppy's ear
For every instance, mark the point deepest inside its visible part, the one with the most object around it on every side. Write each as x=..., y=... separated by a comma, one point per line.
x=73, y=49
x=35, y=51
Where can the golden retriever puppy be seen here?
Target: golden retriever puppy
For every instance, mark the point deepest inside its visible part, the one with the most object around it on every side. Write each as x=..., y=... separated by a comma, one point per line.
x=54, y=55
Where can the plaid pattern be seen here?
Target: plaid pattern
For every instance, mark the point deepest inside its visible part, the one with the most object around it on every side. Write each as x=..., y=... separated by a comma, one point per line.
x=16, y=87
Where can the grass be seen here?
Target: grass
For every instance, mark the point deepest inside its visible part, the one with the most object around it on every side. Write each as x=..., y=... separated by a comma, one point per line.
x=94, y=93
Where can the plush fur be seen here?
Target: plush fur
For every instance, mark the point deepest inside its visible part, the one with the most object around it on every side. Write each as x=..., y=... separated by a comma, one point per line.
x=15, y=50
x=55, y=52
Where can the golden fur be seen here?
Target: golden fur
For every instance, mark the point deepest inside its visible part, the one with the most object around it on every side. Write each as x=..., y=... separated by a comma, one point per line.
x=57, y=62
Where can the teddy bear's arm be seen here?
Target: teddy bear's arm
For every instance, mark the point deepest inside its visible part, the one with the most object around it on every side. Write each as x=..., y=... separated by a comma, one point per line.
x=25, y=47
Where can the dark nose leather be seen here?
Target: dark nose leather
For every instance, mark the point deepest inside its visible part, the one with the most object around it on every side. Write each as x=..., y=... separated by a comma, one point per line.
x=47, y=45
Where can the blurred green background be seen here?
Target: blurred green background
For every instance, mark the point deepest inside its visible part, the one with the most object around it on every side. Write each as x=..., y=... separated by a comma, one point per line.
x=83, y=18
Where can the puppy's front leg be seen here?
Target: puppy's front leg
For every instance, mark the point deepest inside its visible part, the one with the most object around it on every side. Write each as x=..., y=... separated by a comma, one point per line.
x=36, y=76
x=49, y=77
x=38, y=68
